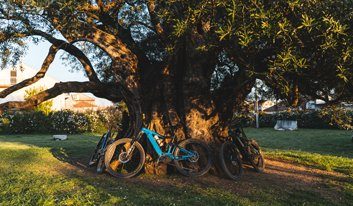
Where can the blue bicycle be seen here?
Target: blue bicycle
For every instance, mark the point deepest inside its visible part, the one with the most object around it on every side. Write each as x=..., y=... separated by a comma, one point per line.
x=125, y=157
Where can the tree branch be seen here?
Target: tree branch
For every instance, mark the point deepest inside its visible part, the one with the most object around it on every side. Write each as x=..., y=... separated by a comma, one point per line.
x=60, y=44
x=73, y=50
x=151, y=5
x=40, y=74
x=124, y=60
x=57, y=44
x=111, y=92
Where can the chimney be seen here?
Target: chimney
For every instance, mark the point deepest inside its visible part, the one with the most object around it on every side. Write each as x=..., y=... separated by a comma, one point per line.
x=13, y=77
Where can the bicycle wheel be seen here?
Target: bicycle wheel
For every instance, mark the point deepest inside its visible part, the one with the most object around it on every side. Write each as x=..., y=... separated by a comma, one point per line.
x=197, y=165
x=257, y=159
x=119, y=164
x=94, y=157
x=230, y=160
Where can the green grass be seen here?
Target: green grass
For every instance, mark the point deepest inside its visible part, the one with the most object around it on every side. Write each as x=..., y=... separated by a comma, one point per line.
x=34, y=170
x=330, y=150
x=330, y=142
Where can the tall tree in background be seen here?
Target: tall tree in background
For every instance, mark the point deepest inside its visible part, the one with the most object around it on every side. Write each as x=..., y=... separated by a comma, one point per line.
x=45, y=107
x=193, y=61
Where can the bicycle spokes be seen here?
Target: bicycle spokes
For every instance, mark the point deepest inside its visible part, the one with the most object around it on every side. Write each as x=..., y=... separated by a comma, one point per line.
x=123, y=162
x=231, y=159
x=194, y=158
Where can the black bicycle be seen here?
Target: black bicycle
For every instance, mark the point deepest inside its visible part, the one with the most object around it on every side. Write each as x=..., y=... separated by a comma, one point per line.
x=238, y=149
x=97, y=158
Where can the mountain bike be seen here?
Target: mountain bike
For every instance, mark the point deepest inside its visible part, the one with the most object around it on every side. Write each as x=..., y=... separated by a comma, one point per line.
x=238, y=149
x=125, y=157
x=97, y=158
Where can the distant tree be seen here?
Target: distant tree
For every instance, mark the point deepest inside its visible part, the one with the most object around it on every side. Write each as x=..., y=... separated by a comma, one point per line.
x=45, y=107
x=262, y=91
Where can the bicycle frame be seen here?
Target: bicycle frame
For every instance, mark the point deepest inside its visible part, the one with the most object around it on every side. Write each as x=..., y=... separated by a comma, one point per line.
x=241, y=141
x=170, y=148
x=105, y=140
x=239, y=137
x=100, y=148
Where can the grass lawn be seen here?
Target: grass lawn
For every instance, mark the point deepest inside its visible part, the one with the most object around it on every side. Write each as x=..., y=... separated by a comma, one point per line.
x=305, y=167
x=330, y=150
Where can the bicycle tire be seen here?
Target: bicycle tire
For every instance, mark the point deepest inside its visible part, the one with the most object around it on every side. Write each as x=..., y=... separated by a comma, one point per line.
x=207, y=163
x=229, y=153
x=260, y=165
x=121, y=145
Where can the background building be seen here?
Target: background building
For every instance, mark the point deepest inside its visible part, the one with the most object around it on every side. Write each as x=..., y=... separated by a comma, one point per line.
x=71, y=101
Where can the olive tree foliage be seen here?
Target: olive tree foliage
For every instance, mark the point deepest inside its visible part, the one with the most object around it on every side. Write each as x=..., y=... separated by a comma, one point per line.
x=195, y=60
x=295, y=47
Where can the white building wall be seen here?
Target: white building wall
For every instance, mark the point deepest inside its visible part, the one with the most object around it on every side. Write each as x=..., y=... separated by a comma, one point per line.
x=59, y=102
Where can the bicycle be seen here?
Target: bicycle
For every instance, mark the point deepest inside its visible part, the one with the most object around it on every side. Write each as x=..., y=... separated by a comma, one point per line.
x=97, y=157
x=125, y=157
x=238, y=149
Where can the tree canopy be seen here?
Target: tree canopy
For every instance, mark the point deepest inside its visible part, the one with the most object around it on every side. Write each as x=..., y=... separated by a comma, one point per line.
x=195, y=60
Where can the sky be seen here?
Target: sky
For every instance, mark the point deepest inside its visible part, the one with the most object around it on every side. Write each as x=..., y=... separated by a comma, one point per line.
x=36, y=55
x=57, y=70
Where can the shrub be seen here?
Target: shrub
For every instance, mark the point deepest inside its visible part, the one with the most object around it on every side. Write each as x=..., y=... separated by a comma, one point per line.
x=328, y=118
x=338, y=117
x=23, y=122
x=66, y=122
x=101, y=120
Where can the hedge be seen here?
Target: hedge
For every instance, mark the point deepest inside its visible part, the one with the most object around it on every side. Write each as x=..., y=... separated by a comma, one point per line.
x=68, y=122
x=328, y=118
x=311, y=120
x=63, y=122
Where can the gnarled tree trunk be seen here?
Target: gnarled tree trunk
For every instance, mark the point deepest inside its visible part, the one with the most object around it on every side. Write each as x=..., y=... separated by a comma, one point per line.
x=179, y=98
x=172, y=91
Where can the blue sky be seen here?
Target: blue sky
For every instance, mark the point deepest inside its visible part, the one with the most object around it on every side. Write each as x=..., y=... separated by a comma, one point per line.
x=57, y=70
x=37, y=53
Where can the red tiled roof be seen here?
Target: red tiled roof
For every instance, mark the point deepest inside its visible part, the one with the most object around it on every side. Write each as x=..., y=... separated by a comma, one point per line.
x=278, y=107
x=3, y=86
x=83, y=104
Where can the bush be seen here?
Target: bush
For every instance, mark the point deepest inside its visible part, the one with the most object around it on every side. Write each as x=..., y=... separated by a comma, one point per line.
x=338, y=117
x=328, y=118
x=68, y=122
x=65, y=122
x=23, y=122
x=99, y=121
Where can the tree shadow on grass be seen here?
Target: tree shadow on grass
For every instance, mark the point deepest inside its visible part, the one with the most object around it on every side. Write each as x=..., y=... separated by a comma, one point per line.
x=280, y=181
x=271, y=188
x=279, y=184
x=62, y=155
x=75, y=151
